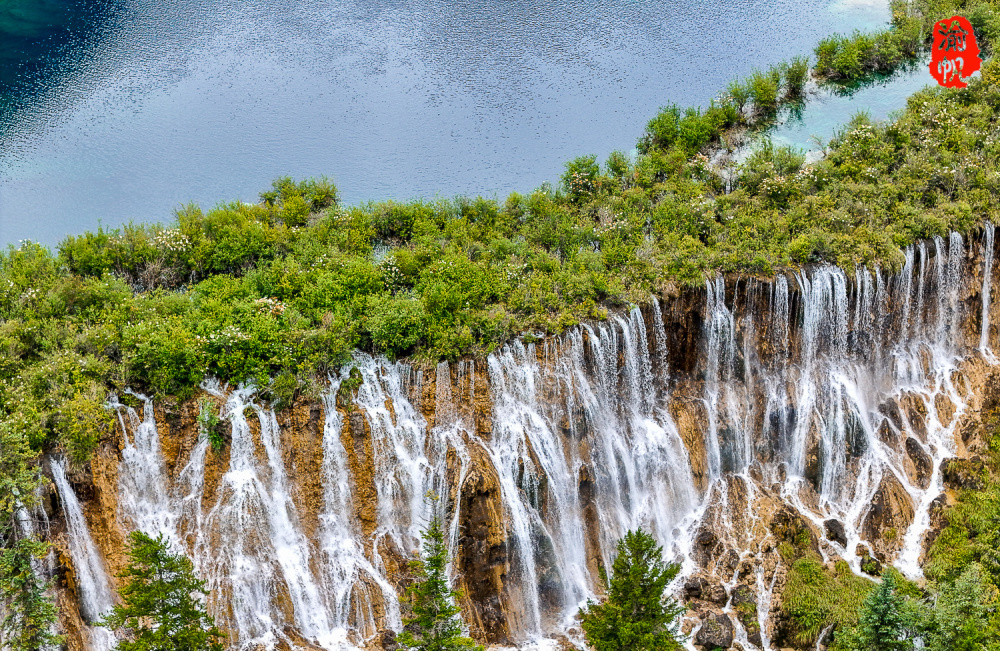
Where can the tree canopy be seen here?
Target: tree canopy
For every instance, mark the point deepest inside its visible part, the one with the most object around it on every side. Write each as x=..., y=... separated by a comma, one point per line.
x=636, y=614
x=161, y=609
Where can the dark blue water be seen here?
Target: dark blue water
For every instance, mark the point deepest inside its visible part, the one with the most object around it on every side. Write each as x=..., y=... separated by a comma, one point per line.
x=111, y=111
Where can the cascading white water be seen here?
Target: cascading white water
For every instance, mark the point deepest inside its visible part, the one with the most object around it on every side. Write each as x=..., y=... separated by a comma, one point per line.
x=93, y=585
x=984, y=336
x=584, y=448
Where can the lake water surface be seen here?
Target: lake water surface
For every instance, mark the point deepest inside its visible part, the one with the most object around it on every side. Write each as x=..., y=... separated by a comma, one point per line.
x=112, y=110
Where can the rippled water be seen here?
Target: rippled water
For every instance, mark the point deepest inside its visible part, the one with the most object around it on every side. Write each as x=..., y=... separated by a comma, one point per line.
x=124, y=110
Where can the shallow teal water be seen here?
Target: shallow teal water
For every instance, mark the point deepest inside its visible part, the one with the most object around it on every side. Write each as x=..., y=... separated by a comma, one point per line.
x=111, y=111
x=827, y=111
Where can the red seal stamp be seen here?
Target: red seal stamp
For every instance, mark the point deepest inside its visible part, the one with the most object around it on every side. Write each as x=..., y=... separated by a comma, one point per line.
x=955, y=54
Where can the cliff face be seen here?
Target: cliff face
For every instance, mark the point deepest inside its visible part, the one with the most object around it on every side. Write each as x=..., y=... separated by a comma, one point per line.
x=818, y=409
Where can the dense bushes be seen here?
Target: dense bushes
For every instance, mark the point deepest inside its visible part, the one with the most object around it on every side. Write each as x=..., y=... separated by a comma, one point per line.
x=849, y=58
x=856, y=56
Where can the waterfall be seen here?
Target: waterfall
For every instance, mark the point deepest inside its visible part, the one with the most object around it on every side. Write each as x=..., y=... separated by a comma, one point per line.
x=93, y=586
x=814, y=391
x=984, y=337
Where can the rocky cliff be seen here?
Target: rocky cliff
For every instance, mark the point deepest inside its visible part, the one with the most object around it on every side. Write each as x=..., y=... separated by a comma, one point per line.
x=819, y=410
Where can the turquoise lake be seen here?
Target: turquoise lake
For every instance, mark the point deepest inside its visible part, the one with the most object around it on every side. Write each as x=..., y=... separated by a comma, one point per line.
x=123, y=110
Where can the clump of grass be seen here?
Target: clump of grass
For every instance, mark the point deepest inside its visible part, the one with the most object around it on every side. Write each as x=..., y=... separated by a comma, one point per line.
x=816, y=598
x=796, y=75
x=763, y=88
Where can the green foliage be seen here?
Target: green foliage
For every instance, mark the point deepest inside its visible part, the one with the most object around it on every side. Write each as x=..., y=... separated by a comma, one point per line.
x=796, y=75
x=636, y=614
x=160, y=609
x=435, y=622
x=964, y=616
x=29, y=615
x=862, y=54
x=816, y=598
x=887, y=621
x=84, y=420
x=582, y=177
x=211, y=425
x=764, y=87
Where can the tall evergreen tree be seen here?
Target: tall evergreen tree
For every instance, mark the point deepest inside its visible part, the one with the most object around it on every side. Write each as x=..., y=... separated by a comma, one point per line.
x=886, y=620
x=636, y=615
x=435, y=623
x=30, y=614
x=160, y=608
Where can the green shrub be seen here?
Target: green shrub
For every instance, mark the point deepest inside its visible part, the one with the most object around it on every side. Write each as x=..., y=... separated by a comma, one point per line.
x=210, y=425
x=581, y=177
x=84, y=421
x=396, y=324
x=763, y=89
x=815, y=598
x=796, y=75
x=618, y=166
x=739, y=94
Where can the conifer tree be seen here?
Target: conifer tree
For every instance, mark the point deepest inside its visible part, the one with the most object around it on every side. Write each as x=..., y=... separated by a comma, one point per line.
x=435, y=623
x=160, y=609
x=886, y=619
x=30, y=614
x=635, y=615
x=960, y=619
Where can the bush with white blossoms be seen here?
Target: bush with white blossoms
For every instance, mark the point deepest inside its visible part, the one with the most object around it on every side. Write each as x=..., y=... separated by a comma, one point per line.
x=271, y=306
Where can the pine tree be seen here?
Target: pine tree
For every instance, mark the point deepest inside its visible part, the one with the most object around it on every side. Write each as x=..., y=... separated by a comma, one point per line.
x=635, y=615
x=960, y=618
x=30, y=614
x=436, y=623
x=161, y=610
x=886, y=619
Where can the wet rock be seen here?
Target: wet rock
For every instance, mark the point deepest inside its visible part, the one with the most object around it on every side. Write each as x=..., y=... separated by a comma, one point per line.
x=886, y=433
x=791, y=528
x=706, y=547
x=694, y=587
x=715, y=632
x=938, y=511
x=890, y=410
x=869, y=564
x=890, y=514
x=918, y=463
x=959, y=474
x=482, y=553
x=835, y=532
x=716, y=593
x=945, y=408
x=744, y=603
x=691, y=418
x=916, y=414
